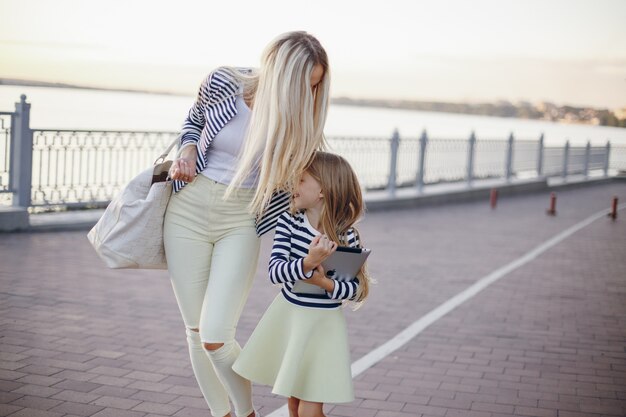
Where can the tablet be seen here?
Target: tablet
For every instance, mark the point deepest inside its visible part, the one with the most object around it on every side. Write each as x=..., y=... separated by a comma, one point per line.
x=342, y=265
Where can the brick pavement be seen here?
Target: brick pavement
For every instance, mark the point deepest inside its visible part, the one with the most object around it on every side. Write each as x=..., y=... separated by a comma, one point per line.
x=548, y=339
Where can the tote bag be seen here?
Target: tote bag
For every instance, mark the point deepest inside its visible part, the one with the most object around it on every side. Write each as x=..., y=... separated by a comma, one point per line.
x=130, y=232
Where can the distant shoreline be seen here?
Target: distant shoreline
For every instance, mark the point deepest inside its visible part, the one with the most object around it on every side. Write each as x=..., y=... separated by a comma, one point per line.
x=523, y=110
x=29, y=83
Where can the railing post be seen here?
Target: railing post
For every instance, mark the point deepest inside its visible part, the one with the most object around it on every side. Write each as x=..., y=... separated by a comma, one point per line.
x=419, y=181
x=540, y=157
x=565, y=158
x=607, y=158
x=22, y=154
x=509, y=158
x=587, y=158
x=470, y=158
x=393, y=163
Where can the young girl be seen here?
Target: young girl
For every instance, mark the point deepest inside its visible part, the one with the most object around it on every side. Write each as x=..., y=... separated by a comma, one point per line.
x=300, y=346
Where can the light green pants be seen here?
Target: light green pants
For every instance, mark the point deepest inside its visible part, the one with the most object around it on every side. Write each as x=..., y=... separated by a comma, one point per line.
x=212, y=252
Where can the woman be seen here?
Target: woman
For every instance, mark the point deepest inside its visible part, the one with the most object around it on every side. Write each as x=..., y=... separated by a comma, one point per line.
x=248, y=135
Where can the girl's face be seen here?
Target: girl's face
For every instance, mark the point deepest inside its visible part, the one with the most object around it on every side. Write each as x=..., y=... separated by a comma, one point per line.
x=308, y=193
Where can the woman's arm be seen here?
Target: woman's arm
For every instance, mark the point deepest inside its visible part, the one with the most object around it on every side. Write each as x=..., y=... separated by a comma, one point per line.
x=281, y=269
x=184, y=166
x=194, y=123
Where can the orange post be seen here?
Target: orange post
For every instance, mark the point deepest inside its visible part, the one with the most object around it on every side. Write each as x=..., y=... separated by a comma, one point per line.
x=613, y=213
x=493, y=198
x=552, y=210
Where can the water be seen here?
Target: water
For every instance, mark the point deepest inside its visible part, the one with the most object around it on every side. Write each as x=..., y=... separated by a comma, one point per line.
x=59, y=108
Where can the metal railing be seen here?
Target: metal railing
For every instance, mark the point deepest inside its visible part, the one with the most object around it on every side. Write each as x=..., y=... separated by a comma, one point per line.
x=79, y=167
x=6, y=189
x=45, y=168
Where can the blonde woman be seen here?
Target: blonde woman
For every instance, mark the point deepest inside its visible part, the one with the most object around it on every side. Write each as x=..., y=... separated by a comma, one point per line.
x=248, y=135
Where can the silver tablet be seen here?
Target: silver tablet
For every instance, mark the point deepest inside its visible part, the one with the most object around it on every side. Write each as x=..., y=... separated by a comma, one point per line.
x=345, y=262
x=342, y=265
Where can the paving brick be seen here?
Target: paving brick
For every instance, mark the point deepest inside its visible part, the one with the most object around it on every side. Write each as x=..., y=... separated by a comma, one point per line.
x=107, y=354
x=565, y=413
x=114, y=402
x=535, y=412
x=40, y=380
x=11, y=375
x=459, y=387
x=6, y=386
x=450, y=403
x=373, y=395
x=111, y=412
x=82, y=386
x=150, y=386
x=345, y=411
x=177, y=380
x=466, y=413
x=155, y=397
x=111, y=380
x=165, y=409
x=37, y=390
x=145, y=376
x=110, y=371
x=11, y=366
x=391, y=414
x=190, y=412
x=197, y=402
x=76, y=396
x=29, y=401
x=76, y=409
x=603, y=406
x=492, y=408
x=32, y=412
x=189, y=391
x=425, y=409
x=7, y=409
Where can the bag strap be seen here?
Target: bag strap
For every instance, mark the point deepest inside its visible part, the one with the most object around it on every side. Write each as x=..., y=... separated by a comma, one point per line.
x=167, y=151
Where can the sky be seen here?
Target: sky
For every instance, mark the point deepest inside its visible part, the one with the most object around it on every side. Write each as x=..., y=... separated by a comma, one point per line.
x=563, y=51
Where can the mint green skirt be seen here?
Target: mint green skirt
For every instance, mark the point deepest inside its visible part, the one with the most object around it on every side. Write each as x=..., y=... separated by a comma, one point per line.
x=301, y=352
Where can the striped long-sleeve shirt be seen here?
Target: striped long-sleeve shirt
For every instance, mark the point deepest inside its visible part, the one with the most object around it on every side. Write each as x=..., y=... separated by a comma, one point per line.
x=213, y=109
x=293, y=237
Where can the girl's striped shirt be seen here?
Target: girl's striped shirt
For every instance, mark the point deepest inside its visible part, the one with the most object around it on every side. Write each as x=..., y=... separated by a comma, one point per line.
x=293, y=237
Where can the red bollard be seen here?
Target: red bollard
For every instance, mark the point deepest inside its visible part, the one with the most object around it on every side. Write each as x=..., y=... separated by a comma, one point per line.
x=613, y=213
x=552, y=210
x=493, y=198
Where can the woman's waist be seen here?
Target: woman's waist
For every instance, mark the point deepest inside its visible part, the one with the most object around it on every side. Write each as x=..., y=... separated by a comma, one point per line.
x=205, y=193
x=224, y=172
x=219, y=187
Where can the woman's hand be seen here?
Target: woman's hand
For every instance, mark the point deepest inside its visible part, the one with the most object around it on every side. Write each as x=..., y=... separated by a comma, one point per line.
x=184, y=167
x=321, y=248
x=319, y=278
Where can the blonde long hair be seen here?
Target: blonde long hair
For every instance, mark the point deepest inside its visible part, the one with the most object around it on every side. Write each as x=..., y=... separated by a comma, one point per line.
x=343, y=205
x=288, y=116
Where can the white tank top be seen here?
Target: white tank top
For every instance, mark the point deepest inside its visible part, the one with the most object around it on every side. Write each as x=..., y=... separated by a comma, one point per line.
x=223, y=154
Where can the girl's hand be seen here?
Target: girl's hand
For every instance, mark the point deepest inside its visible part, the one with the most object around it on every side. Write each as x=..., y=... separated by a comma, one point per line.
x=319, y=278
x=321, y=248
x=184, y=167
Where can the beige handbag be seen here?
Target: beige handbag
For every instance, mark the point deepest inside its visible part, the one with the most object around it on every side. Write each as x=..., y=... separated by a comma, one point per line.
x=130, y=232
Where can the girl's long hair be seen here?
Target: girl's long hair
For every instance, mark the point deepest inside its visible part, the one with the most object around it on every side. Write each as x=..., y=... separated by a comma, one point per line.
x=343, y=205
x=288, y=116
